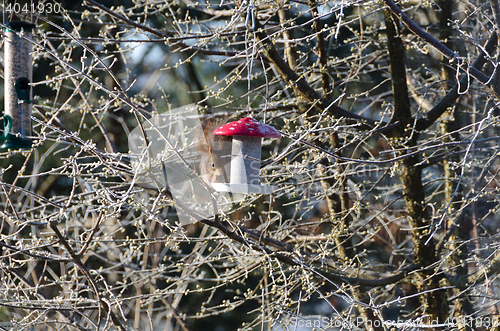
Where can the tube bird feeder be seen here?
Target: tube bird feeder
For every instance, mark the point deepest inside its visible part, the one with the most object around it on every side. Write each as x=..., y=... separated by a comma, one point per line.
x=18, y=77
x=247, y=134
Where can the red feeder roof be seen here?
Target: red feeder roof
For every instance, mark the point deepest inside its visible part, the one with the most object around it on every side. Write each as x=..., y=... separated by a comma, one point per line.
x=247, y=126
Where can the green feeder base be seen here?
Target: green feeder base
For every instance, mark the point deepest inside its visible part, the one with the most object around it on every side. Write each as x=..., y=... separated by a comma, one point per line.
x=16, y=143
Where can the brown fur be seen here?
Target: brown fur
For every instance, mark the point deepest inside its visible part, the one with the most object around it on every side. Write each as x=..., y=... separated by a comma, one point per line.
x=215, y=150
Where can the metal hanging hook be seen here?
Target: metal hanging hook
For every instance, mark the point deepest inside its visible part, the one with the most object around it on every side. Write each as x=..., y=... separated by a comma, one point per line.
x=250, y=18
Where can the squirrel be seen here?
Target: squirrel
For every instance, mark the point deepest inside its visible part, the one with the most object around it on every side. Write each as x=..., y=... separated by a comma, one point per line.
x=215, y=152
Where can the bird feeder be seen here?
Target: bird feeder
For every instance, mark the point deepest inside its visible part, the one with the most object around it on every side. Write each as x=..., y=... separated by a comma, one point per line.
x=18, y=77
x=247, y=134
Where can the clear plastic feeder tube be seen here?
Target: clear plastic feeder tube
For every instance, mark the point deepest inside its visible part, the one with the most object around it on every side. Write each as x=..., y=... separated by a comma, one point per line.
x=18, y=78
